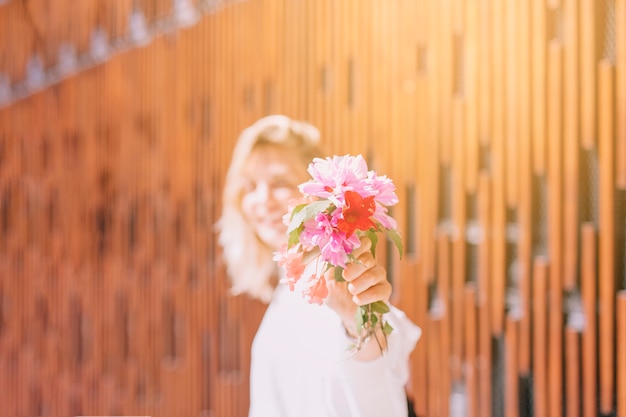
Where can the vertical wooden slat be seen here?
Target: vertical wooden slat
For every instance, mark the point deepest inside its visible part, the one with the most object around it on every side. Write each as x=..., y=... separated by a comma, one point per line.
x=430, y=168
x=396, y=122
x=524, y=208
x=314, y=81
x=471, y=94
x=588, y=71
x=345, y=65
x=540, y=335
x=458, y=268
x=290, y=54
x=361, y=74
x=484, y=356
x=538, y=82
x=588, y=290
x=606, y=244
x=553, y=4
x=471, y=342
x=421, y=353
x=485, y=73
x=570, y=140
x=482, y=302
x=620, y=370
x=445, y=78
x=620, y=92
x=572, y=372
x=555, y=226
x=444, y=322
x=435, y=396
x=512, y=100
x=498, y=178
x=511, y=386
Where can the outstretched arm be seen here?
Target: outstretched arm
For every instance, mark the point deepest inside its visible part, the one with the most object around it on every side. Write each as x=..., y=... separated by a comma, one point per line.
x=366, y=282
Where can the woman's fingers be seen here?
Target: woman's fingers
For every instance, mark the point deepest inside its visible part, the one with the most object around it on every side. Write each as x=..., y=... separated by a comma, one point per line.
x=379, y=292
x=367, y=281
x=364, y=261
x=339, y=298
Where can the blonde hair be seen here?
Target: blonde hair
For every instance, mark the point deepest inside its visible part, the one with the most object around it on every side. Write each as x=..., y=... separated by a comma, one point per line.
x=249, y=262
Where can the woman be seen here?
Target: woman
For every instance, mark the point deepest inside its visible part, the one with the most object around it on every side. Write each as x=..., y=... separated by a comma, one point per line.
x=300, y=362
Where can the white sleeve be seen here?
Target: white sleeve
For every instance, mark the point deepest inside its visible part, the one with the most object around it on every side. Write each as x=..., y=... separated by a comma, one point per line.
x=376, y=388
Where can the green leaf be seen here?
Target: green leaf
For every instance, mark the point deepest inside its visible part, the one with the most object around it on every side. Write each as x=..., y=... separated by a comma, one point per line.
x=380, y=307
x=360, y=318
x=338, y=274
x=374, y=319
x=373, y=237
x=294, y=236
x=305, y=212
x=397, y=239
x=387, y=328
x=296, y=209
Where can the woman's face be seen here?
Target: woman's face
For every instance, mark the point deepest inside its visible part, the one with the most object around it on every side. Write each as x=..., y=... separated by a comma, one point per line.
x=271, y=178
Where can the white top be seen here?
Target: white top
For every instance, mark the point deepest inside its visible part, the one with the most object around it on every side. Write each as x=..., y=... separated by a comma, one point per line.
x=302, y=367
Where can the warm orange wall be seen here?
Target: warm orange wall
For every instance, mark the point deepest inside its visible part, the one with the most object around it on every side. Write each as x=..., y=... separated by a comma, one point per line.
x=503, y=124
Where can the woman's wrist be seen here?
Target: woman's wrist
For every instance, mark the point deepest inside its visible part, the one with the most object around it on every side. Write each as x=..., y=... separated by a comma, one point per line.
x=350, y=329
x=366, y=345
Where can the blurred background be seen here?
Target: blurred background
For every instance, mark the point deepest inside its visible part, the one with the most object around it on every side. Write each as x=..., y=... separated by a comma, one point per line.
x=502, y=122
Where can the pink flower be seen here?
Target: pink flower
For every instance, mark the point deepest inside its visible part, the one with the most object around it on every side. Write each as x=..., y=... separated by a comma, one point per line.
x=336, y=249
x=381, y=216
x=316, y=230
x=382, y=188
x=333, y=176
x=335, y=245
x=291, y=261
x=317, y=291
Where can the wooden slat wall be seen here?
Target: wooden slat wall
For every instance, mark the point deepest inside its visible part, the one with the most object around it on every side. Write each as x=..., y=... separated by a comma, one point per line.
x=501, y=123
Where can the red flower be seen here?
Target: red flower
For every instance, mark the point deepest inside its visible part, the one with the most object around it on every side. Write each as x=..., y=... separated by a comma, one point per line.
x=356, y=213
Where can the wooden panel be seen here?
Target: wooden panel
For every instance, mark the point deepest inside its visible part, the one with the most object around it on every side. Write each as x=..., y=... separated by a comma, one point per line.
x=110, y=184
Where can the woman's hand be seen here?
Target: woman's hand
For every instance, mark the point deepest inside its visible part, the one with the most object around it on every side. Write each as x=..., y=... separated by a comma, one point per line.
x=366, y=282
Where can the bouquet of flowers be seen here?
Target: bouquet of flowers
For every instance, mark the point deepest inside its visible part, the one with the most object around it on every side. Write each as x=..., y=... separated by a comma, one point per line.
x=342, y=203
